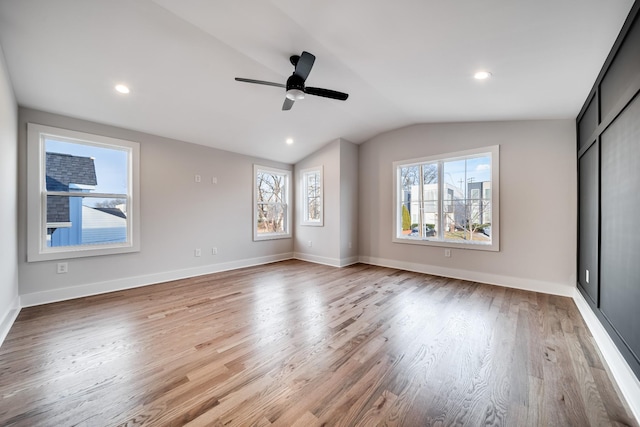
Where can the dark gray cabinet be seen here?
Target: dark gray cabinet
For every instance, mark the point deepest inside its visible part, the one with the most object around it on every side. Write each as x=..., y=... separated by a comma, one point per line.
x=608, y=129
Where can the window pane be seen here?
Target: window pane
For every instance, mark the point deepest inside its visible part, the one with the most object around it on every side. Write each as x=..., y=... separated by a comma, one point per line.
x=467, y=180
x=271, y=187
x=313, y=182
x=410, y=200
x=409, y=177
x=83, y=167
x=272, y=207
x=271, y=218
x=408, y=221
x=75, y=221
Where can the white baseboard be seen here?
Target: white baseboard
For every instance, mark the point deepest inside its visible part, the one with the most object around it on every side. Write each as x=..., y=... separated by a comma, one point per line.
x=333, y=262
x=620, y=369
x=62, y=294
x=475, y=276
x=9, y=318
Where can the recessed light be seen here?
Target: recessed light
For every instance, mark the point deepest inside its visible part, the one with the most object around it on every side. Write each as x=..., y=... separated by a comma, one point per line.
x=122, y=89
x=289, y=141
x=482, y=75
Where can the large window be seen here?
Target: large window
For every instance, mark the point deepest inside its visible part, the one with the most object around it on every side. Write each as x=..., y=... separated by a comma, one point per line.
x=272, y=209
x=312, y=191
x=450, y=200
x=83, y=193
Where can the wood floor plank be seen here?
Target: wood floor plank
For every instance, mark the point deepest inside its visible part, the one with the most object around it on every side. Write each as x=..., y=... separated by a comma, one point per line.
x=300, y=344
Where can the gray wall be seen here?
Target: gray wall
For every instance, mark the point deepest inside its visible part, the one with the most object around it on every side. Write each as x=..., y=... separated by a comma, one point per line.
x=330, y=243
x=8, y=201
x=537, y=203
x=177, y=216
x=348, y=201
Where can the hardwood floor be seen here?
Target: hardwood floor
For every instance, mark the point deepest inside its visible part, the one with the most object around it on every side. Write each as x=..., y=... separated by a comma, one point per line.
x=299, y=344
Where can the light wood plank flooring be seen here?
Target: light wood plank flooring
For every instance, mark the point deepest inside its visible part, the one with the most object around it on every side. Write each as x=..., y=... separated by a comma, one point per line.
x=299, y=344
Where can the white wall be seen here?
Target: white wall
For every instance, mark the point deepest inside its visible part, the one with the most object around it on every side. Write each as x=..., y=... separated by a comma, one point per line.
x=9, y=302
x=177, y=216
x=329, y=243
x=537, y=203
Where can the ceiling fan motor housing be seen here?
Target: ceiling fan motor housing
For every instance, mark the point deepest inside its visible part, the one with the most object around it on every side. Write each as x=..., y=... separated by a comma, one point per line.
x=295, y=88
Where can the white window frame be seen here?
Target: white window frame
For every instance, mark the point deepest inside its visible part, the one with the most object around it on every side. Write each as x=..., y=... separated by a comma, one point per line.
x=286, y=234
x=319, y=222
x=37, y=249
x=494, y=152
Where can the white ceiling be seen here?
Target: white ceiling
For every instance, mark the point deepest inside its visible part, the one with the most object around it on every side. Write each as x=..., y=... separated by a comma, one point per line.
x=402, y=62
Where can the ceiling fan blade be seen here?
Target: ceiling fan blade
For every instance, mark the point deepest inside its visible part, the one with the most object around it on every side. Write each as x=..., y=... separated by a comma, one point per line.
x=287, y=104
x=260, y=82
x=327, y=93
x=304, y=65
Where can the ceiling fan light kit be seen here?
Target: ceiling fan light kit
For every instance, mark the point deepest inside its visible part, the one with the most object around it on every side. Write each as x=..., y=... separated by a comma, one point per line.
x=295, y=94
x=295, y=88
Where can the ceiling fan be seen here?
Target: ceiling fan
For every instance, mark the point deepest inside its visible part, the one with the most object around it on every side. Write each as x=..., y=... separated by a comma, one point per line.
x=295, y=84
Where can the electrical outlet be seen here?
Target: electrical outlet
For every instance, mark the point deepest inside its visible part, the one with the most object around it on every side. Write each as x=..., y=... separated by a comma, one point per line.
x=63, y=268
x=198, y=178
x=197, y=252
x=214, y=180
x=447, y=253
x=310, y=243
x=214, y=251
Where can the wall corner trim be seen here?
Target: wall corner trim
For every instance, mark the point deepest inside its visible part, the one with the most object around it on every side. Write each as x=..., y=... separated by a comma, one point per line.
x=9, y=318
x=627, y=382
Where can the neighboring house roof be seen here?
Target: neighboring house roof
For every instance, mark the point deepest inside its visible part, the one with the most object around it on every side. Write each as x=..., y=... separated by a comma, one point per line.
x=113, y=211
x=63, y=170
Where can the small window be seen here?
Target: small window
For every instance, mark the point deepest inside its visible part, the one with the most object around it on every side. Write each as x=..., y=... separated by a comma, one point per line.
x=450, y=200
x=312, y=195
x=82, y=194
x=272, y=209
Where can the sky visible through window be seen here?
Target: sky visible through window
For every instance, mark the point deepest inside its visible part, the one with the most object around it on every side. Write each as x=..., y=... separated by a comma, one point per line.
x=478, y=169
x=110, y=164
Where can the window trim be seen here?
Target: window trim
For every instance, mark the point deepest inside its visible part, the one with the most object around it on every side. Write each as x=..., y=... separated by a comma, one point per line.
x=304, y=196
x=494, y=246
x=288, y=218
x=37, y=249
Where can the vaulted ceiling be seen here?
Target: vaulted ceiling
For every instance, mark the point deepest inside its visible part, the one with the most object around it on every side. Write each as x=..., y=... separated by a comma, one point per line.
x=402, y=62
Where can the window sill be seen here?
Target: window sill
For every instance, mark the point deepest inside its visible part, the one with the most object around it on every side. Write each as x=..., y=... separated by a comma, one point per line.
x=491, y=247
x=271, y=236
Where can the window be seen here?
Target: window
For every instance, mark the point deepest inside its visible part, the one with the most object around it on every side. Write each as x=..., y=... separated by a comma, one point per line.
x=449, y=200
x=272, y=209
x=312, y=191
x=82, y=194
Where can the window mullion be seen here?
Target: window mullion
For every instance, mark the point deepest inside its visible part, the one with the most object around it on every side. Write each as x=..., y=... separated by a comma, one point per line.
x=422, y=201
x=82, y=194
x=441, y=192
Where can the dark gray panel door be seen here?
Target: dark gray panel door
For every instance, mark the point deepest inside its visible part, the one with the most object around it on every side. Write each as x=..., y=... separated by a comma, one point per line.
x=588, y=222
x=620, y=222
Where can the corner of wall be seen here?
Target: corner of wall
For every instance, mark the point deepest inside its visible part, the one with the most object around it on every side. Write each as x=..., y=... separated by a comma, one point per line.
x=9, y=318
x=9, y=300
